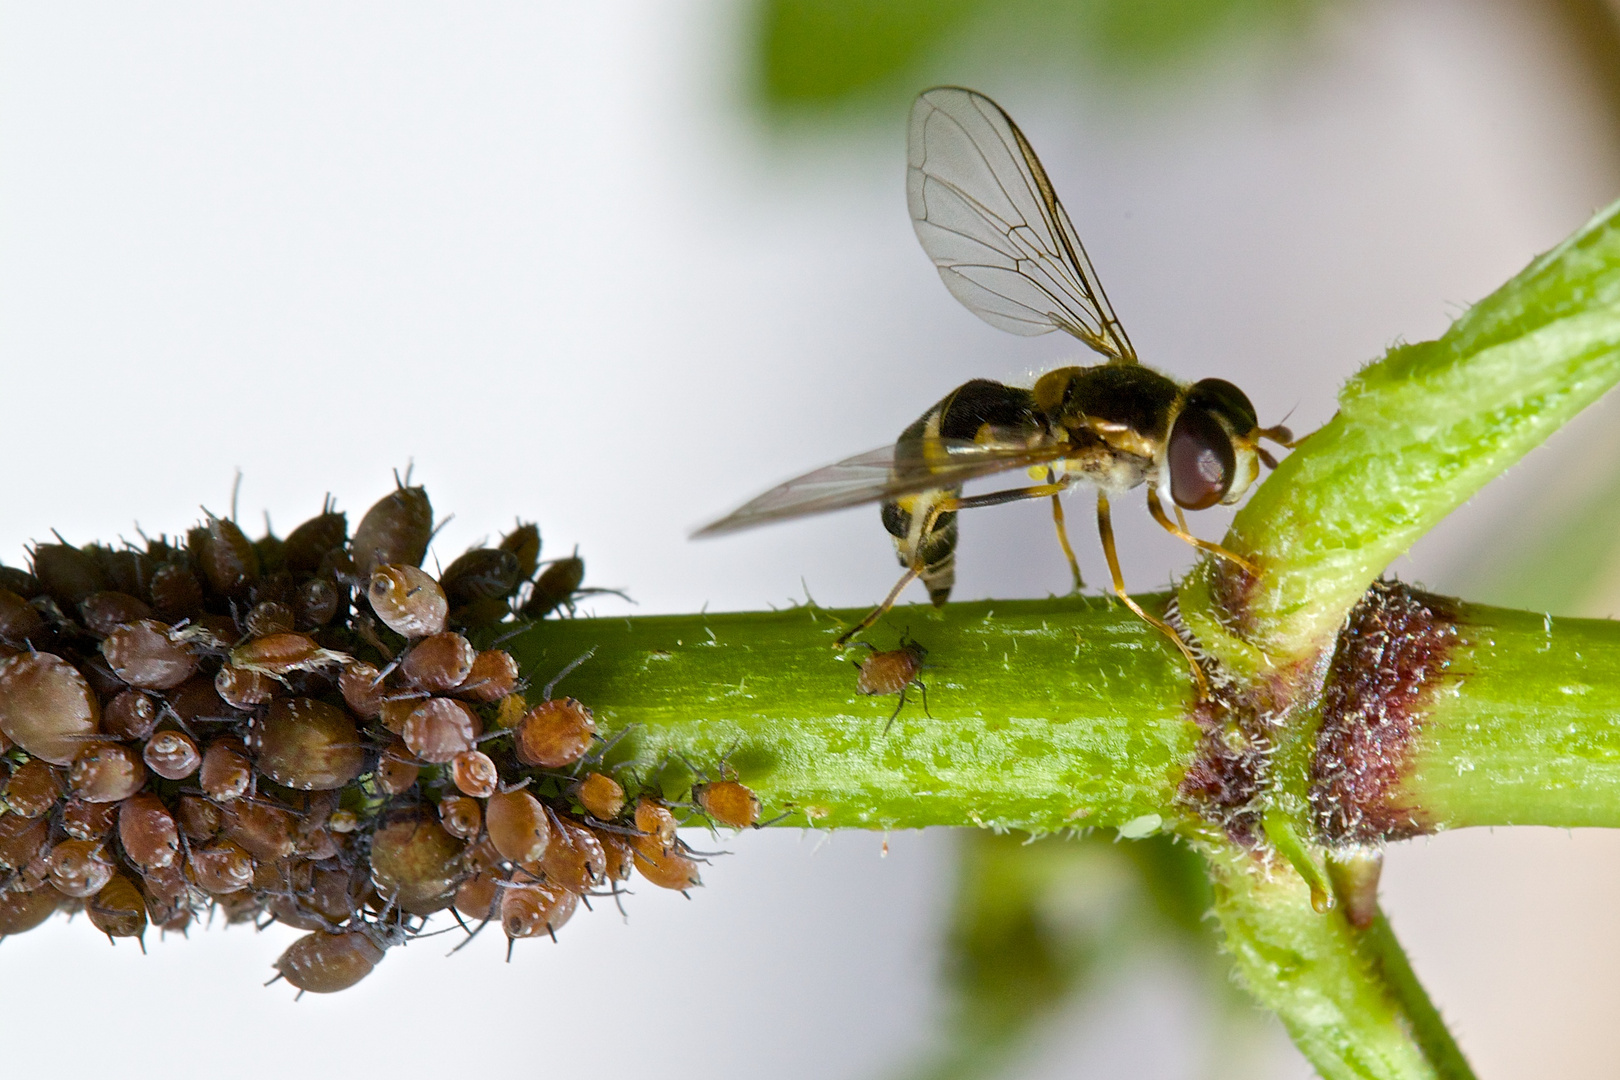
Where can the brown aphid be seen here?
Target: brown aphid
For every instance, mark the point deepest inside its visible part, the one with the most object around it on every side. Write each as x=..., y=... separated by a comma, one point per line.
x=229, y=561
x=517, y=826
x=574, y=859
x=106, y=773
x=119, y=909
x=67, y=574
x=555, y=587
x=104, y=612
x=493, y=676
x=554, y=733
x=475, y=774
x=199, y=819
x=728, y=803
x=319, y=844
x=243, y=689
x=440, y=662
x=146, y=655
x=461, y=817
x=481, y=574
x=20, y=912
x=220, y=867
x=475, y=897
x=148, y=832
x=415, y=864
x=196, y=699
x=281, y=654
x=308, y=544
x=165, y=884
x=482, y=856
x=308, y=745
x=396, y=773
x=600, y=795
x=323, y=962
x=893, y=672
x=46, y=706
x=407, y=600
x=268, y=833
x=530, y=908
x=130, y=715
x=619, y=857
x=316, y=603
x=524, y=543
x=21, y=839
x=269, y=617
x=227, y=771
x=172, y=755
x=655, y=823
x=668, y=869
x=84, y=820
x=80, y=867
x=33, y=789
x=175, y=591
x=20, y=621
x=396, y=529
x=440, y=728
x=394, y=711
x=363, y=690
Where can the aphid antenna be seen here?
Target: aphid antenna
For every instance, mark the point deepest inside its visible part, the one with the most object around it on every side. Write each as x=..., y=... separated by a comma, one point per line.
x=620, y=830
x=552, y=685
x=783, y=816
x=470, y=935
x=507, y=789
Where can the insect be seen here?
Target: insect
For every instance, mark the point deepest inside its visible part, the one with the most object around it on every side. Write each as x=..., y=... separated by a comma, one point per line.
x=893, y=672
x=988, y=217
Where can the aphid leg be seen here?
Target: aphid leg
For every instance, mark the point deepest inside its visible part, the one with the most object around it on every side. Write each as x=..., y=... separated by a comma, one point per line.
x=1156, y=508
x=1063, y=535
x=1105, y=527
x=924, y=688
x=897, y=708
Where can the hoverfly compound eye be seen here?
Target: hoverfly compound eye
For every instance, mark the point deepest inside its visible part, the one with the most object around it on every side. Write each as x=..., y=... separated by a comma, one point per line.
x=1201, y=460
x=1232, y=404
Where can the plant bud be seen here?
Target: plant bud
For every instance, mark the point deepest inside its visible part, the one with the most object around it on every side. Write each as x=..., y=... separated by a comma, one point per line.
x=517, y=826
x=46, y=706
x=33, y=789
x=308, y=745
x=440, y=728
x=323, y=962
x=414, y=862
x=396, y=529
x=79, y=867
x=554, y=734
x=439, y=663
x=106, y=773
x=600, y=795
x=172, y=755
x=407, y=600
x=493, y=676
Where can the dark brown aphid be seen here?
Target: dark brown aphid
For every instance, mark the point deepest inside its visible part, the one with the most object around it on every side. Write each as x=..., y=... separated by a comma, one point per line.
x=440, y=728
x=229, y=561
x=493, y=676
x=33, y=789
x=517, y=826
x=146, y=655
x=600, y=795
x=462, y=817
x=308, y=745
x=67, y=574
x=176, y=593
x=20, y=839
x=104, y=612
x=118, y=909
x=281, y=654
x=196, y=700
x=554, y=733
x=323, y=962
x=84, y=820
x=481, y=574
x=21, y=582
x=893, y=672
x=316, y=603
x=243, y=689
x=20, y=621
x=80, y=867
x=130, y=715
x=440, y=662
x=308, y=544
x=199, y=819
x=226, y=772
x=531, y=907
x=407, y=600
x=46, y=706
x=363, y=690
x=396, y=773
x=269, y=617
x=524, y=543
x=22, y=911
x=106, y=773
x=395, y=530
x=268, y=833
x=474, y=774
x=574, y=859
x=221, y=867
x=415, y=864
x=148, y=832
x=172, y=755
x=728, y=803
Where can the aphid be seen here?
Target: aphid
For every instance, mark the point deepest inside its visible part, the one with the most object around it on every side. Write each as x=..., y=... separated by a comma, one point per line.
x=228, y=559
x=21, y=839
x=220, y=867
x=415, y=864
x=655, y=823
x=363, y=689
x=176, y=593
x=396, y=773
x=987, y=215
x=281, y=654
x=439, y=663
x=493, y=676
x=475, y=897
x=22, y=911
x=461, y=817
x=104, y=612
x=85, y=820
x=524, y=544
x=308, y=745
x=165, y=883
x=226, y=772
x=148, y=832
x=26, y=585
x=146, y=655
x=474, y=774
x=728, y=802
x=196, y=699
x=106, y=773
x=344, y=822
x=668, y=869
x=46, y=706
x=118, y=909
x=394, y=711
x=324, y=962
x=531, y=907
x=574, y=859
x=80, y=867
x=316, y=603
x=269, y=617
x=407, y=600
x=517, y=826
x=266, y=832
x=173, y=755
x=600, y=795
x=243, y=689
x=619, y=855
x=554, y=734
x=130, y=715
x=440, y=728
x=559, y=587
x=893, y=672
x=33, y=789
x=199, y=819
x=308, y=544
x=20, y=621
x=126, y=570
x=481, y=574
x=67, y=574
x=395, y=530
x=512, y=709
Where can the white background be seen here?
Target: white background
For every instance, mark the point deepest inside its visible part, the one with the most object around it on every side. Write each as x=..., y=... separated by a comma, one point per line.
x=552, y=255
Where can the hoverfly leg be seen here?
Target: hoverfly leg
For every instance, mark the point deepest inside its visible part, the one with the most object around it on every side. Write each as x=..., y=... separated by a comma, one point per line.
x=1156, y=508
x=878, y=612
x=1105, y=527
x=1063, y=535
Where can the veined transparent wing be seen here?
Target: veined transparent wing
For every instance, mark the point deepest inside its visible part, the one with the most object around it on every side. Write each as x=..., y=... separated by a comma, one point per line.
x=988, y=217
x=882, y=474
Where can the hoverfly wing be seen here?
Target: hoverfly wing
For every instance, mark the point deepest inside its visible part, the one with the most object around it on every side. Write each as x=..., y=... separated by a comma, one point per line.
x=986, y=213
x=881, y=474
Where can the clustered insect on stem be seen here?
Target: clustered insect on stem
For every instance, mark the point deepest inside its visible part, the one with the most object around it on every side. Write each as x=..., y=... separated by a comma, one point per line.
x=301, y=730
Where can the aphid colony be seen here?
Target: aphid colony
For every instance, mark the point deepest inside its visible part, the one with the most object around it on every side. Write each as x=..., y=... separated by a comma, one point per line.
x=298, y=730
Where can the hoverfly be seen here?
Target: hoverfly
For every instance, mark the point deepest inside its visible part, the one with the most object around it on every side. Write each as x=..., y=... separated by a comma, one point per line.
x=987, y=215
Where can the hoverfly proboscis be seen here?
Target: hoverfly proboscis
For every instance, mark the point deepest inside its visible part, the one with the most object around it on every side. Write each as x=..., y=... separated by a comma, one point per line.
x=988, y=217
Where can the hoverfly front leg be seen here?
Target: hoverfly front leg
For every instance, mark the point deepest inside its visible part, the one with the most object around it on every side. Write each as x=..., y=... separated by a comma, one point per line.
x=1063, y=534
x=1156, y=508
x=1105, y=527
